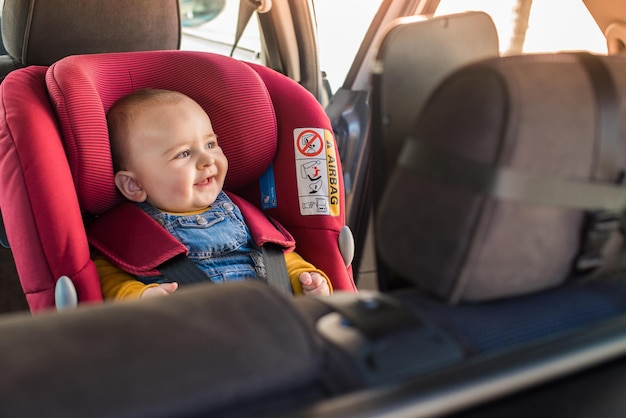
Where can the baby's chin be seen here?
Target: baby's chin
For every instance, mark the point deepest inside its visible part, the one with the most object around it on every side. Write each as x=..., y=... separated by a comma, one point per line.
x=182, y=208
x=190, y=203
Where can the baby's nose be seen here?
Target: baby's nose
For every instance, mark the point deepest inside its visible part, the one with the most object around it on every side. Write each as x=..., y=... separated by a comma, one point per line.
x=206, y=162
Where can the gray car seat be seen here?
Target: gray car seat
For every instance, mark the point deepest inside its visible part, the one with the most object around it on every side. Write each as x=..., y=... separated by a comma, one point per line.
x=504, y=204
x=42, y=32
x=414, y=56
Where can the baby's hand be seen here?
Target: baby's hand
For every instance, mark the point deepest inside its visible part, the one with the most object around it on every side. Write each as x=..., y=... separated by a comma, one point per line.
x=314, y=284
x=162, y=289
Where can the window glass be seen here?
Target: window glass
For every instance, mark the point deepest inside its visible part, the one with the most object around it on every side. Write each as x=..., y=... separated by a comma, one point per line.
x=210, y=25
x=338, y=41
x=553, y=25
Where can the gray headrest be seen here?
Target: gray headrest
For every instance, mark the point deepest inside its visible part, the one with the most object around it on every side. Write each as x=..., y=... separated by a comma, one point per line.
x=486, y=199
x=42, y=32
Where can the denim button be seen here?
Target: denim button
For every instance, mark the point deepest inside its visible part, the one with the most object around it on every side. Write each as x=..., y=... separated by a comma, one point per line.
x=201, y=221
x=228, y=206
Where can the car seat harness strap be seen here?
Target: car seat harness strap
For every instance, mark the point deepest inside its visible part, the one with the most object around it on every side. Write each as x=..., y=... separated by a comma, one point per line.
x=443, y=167
x=136, y=243
x=276, y=268
x=183, y=270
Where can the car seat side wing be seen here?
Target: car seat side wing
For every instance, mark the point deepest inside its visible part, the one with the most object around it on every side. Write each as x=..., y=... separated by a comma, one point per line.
x=37, y=179
x=298, y=111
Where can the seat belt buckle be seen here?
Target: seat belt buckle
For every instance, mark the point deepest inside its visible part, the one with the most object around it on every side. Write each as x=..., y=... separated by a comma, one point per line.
x=599, y=228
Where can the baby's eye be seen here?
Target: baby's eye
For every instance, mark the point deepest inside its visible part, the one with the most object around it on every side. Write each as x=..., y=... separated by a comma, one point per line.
x=183, y=154
x=211, y=144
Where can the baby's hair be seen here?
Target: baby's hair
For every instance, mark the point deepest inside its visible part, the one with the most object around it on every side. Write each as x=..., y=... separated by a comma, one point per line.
x=125, y=110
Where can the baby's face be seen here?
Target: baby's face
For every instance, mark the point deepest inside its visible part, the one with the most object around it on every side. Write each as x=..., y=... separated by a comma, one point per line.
x=175, y=157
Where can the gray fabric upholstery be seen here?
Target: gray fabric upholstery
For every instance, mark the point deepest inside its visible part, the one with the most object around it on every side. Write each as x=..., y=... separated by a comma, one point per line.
x=415, y=56
x=40, y=32
x=203, y=351
x=535, y=114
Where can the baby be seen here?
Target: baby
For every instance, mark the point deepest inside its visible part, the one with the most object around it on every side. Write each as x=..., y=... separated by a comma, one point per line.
x=167, y=159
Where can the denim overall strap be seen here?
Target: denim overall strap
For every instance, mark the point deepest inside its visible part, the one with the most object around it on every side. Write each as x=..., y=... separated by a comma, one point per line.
x=179, y=268
x=218, y=241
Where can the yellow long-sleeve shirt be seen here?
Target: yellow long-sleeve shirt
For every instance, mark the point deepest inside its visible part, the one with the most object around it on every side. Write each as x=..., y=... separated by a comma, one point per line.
x=118, y=284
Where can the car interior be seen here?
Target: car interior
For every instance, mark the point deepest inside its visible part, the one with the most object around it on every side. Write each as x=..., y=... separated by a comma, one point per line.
x=486, y=189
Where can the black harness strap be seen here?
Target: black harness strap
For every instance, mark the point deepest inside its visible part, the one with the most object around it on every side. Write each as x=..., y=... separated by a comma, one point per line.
x=183, y=270
x=276, y=268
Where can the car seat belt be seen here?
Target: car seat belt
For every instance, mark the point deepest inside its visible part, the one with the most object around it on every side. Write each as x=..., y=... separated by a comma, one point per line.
x=183, y=270
x=141, y=247
x=246, y=10
x=602, y=226
x=276, y=269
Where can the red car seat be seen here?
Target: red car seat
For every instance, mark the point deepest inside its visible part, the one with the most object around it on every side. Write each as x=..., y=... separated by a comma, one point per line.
x=57, y=164
x=43, y=32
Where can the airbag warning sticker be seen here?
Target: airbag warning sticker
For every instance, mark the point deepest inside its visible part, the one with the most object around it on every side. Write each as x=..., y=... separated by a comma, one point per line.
x=316, y=171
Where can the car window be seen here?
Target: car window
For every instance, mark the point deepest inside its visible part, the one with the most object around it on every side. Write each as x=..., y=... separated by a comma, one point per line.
x=548, y=28
x=339, y=42
x=210, y=25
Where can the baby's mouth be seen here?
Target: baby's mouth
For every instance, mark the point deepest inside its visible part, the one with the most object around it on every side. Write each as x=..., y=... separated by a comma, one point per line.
x=204, y=182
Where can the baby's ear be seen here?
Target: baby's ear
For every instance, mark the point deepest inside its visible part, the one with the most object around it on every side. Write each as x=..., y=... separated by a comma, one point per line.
x=129, y=186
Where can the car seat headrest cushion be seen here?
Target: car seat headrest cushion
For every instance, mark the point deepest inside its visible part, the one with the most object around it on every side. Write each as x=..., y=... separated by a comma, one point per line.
x=42, y=32
x=232, y=94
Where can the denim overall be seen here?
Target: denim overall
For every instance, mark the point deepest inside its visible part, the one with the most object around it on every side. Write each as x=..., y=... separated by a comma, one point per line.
x=218, y=240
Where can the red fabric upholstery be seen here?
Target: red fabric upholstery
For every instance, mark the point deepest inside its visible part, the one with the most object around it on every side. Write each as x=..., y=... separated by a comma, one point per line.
x=128, y=236
x=139, y=245
x=262, y=228
x=254, y=112
x=42, y=217
x=84, y=87
x=314, y=235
